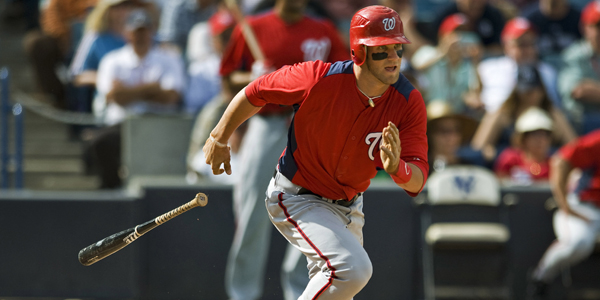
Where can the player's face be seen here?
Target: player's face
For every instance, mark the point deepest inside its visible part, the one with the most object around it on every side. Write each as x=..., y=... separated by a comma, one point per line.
x=384, y=62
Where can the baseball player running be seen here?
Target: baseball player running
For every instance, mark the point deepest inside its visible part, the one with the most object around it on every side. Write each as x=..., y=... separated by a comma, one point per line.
x=351, y=119
x=286, y=35
x=577, y=222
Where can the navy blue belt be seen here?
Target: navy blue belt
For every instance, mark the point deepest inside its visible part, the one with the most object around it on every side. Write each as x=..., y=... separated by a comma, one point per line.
x=342, y=202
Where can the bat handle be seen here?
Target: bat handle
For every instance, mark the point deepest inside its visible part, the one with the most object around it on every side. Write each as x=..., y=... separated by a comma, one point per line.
x=200, y=200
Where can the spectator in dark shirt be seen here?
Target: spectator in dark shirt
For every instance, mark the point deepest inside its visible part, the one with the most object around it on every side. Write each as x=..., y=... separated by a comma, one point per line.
x=557, y=25
x=484, y=19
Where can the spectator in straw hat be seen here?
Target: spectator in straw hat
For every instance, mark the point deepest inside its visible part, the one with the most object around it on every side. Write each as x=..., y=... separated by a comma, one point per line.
x=448, y=135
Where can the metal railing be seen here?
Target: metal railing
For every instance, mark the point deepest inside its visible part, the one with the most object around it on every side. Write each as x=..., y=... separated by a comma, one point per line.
x=10, y=163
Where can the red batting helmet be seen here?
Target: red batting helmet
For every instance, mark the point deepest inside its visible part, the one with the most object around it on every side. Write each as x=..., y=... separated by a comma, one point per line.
x=374, y=26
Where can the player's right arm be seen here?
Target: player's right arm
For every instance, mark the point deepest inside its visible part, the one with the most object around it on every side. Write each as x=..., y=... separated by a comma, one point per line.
x=286, y=86
x=215, y=149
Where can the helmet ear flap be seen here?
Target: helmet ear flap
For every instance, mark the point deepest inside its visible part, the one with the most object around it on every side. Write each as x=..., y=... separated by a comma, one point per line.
x=359, y=54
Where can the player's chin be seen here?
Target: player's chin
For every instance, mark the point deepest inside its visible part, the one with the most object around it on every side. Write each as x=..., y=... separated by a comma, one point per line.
x=390, y=78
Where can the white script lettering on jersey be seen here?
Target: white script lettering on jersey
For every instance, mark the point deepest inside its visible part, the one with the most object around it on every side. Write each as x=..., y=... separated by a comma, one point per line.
x=372, y=139
x=316, y=49
x=389, y=24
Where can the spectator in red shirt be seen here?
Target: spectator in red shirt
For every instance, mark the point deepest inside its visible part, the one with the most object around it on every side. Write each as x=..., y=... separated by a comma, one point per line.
x=528, y=160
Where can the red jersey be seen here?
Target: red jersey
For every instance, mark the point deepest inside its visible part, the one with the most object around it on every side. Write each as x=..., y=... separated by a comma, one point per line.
x=282, y=44
x=333, y=141
x=583, y=154
x=512, y=161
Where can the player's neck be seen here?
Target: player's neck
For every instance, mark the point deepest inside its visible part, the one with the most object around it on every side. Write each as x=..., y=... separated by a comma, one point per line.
x=368, y=84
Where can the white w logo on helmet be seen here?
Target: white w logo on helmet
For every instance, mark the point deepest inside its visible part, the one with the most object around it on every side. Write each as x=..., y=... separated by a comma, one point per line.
x=389, y=24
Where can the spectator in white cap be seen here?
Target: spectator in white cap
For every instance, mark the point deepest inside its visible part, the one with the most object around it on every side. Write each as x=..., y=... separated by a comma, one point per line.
x=136, y=79
x=495, y=130
x=140, y=77
x=527, y=161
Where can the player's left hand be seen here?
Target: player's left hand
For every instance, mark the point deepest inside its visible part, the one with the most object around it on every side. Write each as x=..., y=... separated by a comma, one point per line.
x=390, y=148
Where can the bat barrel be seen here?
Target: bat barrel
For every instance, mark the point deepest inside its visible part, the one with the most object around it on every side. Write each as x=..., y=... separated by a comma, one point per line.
x=111, y=244
x=105, y=247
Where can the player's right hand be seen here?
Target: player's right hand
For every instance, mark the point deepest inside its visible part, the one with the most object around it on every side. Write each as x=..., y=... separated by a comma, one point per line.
x=216, y=155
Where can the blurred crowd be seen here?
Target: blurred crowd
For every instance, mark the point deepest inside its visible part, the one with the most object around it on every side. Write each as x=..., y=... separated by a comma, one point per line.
x=506, y=82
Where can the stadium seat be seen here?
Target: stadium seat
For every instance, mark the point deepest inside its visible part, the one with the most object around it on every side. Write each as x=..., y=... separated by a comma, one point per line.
x=465, y=236
x=155, y=145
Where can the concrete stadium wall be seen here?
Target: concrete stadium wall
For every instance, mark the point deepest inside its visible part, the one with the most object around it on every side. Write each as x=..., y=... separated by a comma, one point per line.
x=41, y=234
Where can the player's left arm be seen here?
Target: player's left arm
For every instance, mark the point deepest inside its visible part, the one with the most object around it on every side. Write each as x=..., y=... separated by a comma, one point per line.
x=406, y=175
x=404, y=146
